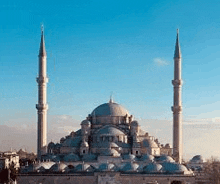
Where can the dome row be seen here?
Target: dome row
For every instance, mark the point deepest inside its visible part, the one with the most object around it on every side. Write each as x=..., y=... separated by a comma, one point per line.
x=166, y=167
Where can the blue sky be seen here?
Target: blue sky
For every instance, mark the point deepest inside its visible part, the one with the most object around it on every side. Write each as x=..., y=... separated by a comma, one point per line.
x=99, y=48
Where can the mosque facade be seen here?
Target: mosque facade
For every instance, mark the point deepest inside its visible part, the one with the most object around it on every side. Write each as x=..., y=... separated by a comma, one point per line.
x=109, y=131
x=110, y=147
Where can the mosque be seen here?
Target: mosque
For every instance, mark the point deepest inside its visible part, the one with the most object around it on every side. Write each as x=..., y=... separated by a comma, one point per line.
x=110, y=147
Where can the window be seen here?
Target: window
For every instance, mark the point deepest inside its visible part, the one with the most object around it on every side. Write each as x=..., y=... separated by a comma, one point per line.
x=136, y=152
x=84, y=151
x=110, y=139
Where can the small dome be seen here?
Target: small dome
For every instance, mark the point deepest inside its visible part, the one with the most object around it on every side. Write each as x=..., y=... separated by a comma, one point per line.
x=58, y=167
x=147, y=157
x=130, y=167
x=22, y=150
x=164, y=158
x=86, y=122
x=71, y=157
x=72, y=134
x=152, y=168
x=45, y=165
x=129, y=157
x=167, y=146
x=113, y=145
x=55, y=158
x=51, y=145
x=173, y=167
x=197, y=159
x=110, y=152
x=84, y=167
x=149, y=143
x=106, y=167
x=110, y=109
x=41, y=169
x=134, y=123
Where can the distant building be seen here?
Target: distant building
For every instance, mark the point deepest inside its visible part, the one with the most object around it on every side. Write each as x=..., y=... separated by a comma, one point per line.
x=25, y=155
x=4, y=163
x=9, y=159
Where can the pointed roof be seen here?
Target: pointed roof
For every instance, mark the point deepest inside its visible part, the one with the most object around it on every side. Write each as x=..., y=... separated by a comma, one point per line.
x=177, y=52
x=42, y=50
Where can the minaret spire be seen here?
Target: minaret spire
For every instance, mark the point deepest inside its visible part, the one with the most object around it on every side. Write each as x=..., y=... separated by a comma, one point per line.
x=177, y=52
x=42, y=50
x=42, y=106
x=177, y=104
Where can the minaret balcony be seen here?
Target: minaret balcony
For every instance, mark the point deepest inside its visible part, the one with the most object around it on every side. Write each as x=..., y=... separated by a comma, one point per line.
x=41, y=106
x=41, y=80
x=176, y=109
x=177, y=82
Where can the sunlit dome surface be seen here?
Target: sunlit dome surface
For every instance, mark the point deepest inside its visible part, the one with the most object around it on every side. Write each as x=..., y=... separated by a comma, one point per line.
x=110, y=109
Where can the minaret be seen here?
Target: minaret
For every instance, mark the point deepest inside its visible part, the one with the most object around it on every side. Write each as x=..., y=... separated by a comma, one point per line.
x=177, y=104
x=42, y=100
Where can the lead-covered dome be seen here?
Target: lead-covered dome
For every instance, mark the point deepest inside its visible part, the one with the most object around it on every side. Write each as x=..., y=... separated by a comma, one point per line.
x=109, y=130
x=110, y=109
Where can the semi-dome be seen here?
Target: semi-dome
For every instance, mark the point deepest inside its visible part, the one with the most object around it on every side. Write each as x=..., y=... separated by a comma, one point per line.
x=109, y=130
x=110, y=109
x=110, y=152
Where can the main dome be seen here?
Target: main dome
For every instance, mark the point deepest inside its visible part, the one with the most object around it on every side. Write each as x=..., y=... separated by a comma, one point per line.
x=110, y=109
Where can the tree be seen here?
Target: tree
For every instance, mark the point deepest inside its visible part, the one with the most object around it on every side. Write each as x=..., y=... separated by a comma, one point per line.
x=212, y=170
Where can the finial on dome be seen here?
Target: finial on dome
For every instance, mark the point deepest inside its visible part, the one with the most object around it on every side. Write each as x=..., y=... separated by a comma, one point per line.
x=111, y=99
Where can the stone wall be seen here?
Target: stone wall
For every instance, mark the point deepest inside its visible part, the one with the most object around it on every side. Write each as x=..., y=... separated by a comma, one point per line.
x=103, y=178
